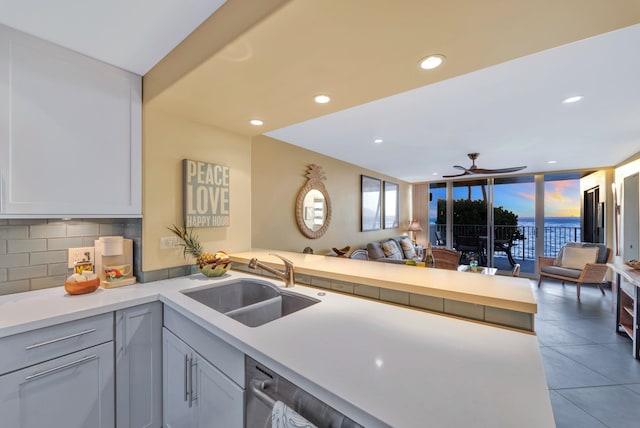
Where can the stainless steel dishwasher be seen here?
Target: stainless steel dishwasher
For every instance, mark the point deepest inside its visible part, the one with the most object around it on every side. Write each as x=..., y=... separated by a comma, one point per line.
x=264, y=387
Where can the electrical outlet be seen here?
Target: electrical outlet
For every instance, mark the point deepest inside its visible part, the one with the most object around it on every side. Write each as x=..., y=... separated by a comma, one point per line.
x=78, y=255
x=169, y=242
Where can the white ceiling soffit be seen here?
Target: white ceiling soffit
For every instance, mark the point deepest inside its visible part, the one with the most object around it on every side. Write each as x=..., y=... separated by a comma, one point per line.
x=511, y=113
x=133, y=35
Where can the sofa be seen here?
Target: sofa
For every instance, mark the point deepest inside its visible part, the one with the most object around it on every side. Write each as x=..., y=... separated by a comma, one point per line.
x=577, y=262
x=398, y=249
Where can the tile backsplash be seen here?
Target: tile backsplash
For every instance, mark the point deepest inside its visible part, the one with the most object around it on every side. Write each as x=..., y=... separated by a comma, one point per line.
x=33, y=253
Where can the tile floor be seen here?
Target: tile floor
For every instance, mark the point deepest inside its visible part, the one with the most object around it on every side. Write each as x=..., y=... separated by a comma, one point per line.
x=593, y=379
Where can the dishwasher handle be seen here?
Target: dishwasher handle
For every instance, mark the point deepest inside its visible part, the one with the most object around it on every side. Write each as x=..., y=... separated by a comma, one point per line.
x=257, y=388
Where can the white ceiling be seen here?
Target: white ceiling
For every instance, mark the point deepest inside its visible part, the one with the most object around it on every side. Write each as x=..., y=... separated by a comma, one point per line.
x=511, y=113
x=130, y=34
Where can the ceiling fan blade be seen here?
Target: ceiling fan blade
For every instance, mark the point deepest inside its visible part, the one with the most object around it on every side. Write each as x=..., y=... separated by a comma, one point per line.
x=456, y=175
x=498, y=170
x=473, y=169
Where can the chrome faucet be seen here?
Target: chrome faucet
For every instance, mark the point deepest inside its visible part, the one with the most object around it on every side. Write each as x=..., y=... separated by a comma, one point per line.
x=287, y=276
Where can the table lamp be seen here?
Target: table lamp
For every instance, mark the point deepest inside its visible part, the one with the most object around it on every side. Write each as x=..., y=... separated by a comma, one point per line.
x=414, y=227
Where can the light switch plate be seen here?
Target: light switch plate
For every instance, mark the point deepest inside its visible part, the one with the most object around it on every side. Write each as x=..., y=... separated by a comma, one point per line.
x=169, y=242
x=78, y=255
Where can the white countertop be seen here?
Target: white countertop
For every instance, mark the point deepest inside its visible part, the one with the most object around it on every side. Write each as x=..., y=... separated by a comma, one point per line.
x=503, y=292
x=630, y=274
x=378, y=363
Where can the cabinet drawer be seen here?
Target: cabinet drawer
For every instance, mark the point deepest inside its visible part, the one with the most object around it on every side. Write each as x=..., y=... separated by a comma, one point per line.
x=32, y=347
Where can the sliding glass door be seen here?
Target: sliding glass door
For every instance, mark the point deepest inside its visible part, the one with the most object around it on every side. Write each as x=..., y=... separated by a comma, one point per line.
x=514, y=223
x=470, y=220
x=493, y=220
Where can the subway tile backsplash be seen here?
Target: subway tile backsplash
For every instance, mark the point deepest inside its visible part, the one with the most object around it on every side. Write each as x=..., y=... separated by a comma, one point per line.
x=33, y=253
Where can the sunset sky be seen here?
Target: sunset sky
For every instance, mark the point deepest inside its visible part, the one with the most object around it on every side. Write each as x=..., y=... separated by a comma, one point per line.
x=562, y=198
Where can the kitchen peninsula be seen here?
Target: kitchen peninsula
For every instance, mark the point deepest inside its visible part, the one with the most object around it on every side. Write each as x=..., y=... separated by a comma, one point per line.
x=380, y=364
x=497, y=300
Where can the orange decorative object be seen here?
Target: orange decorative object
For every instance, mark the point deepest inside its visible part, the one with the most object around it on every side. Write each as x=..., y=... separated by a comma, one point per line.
x=82, y=287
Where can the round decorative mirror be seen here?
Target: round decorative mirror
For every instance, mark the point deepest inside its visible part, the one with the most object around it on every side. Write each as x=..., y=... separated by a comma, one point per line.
x=313, y=206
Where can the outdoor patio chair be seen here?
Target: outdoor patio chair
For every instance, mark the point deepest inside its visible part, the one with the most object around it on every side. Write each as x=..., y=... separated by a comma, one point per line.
x=503, y=242
x=471, y=244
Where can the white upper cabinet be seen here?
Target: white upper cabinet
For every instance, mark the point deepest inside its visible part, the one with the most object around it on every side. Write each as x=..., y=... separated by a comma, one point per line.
x=70, y=133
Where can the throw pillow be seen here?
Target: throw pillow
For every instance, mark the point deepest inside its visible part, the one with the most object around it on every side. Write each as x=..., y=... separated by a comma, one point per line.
x=375, y=251
x=407, y=248
x=577, y=258
x=391, y=250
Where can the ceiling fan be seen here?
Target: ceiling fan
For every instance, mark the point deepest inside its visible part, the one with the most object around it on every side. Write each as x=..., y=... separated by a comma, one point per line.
x=473, y=169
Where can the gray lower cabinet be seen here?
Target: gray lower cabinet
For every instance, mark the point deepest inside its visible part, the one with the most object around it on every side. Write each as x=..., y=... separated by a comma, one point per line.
x=195, y=393
x=59, y=376
x=72, y=391
x=138, y=356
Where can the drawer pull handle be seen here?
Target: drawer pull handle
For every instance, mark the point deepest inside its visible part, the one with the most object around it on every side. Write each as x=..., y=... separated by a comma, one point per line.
x=190, y=382
x=64, y=366
x=49, y=342
x=186, y=378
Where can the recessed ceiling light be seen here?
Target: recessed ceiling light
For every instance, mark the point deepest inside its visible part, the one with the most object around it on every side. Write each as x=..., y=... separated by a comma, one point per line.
x=256, y=122
x=322, y=99
x=378, y=141
x=434, y=173
x=572, y=99
x=552, y=162
x=431, y=62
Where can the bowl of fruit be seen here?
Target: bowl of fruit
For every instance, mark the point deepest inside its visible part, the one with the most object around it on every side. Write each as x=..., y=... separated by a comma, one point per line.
x=633, y=263
x=209, y=264
x=214, y=264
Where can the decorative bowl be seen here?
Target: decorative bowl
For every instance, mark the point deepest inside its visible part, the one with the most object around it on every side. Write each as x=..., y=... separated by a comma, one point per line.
x=635, y=264
x=82, y=287
x=213, y=270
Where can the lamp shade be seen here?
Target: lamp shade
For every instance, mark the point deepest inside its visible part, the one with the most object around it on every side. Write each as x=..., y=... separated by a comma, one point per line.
x=414, y=226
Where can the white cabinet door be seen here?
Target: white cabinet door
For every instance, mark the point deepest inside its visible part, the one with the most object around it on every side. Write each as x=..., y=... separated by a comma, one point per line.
x=139, y=366
x=196, y=394
x=74, y=391
x=70, y=133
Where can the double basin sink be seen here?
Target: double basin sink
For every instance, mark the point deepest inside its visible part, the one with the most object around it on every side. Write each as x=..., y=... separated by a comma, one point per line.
x=250, y=301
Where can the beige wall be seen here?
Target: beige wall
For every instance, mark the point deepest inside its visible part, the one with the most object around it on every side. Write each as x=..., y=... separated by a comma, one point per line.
x=278, y=173
x=167, y=140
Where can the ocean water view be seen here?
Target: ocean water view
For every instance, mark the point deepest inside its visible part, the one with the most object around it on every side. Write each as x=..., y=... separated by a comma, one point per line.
x=557, y=232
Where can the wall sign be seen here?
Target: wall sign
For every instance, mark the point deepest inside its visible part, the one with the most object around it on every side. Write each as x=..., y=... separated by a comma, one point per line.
x=206, y=194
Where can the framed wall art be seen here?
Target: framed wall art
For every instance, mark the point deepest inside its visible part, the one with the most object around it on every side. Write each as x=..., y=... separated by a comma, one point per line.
x=391, y=205
x=206, y=194
x=371, y=203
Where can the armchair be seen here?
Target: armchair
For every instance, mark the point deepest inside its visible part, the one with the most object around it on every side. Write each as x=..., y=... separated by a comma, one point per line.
x=561, y=267
x=446, y=258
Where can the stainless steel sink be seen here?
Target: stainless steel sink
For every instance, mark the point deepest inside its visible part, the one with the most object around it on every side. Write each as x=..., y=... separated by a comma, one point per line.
x=251, y=302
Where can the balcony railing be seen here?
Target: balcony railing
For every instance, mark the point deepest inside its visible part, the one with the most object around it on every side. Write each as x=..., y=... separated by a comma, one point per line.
x=525, y=237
